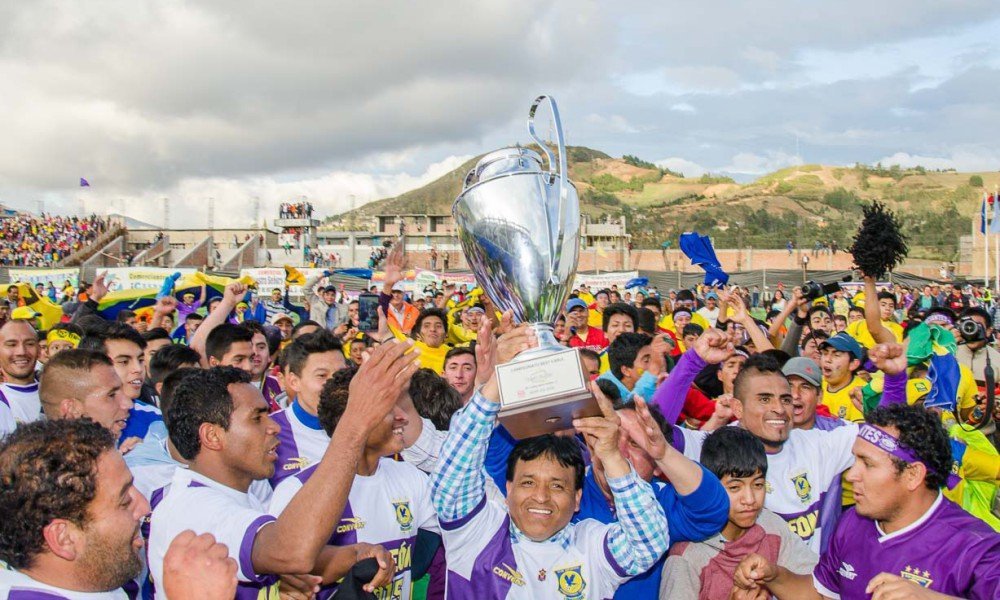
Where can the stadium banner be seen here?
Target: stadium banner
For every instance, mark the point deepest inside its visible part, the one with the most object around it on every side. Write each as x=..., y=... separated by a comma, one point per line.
x=268, y=278
x=139, y=278
x=598, y=281
x=57, y=277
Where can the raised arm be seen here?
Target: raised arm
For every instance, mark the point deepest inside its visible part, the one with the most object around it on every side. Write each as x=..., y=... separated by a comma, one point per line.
x=230, y=296
x=873, y=318
x=742, y=316
x=293, y=543
x=640, y=537
x=711, y=347
x=458, y=482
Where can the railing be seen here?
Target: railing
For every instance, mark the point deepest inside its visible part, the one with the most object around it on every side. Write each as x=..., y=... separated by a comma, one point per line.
x=80, y=256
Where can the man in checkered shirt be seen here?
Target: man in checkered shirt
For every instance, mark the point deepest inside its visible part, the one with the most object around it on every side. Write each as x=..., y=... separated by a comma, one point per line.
x=526, y=547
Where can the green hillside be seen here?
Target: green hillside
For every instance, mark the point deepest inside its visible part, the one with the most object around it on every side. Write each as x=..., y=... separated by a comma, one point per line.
x=803, y=204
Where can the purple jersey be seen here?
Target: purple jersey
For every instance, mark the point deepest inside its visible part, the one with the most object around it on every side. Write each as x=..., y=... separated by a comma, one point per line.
x=946, y=550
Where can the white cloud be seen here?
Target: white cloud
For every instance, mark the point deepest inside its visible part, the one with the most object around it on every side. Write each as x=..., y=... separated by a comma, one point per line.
x=757, y=164
x=681, y=165
x=963, y=159
x=612, y=123
x=683, y=107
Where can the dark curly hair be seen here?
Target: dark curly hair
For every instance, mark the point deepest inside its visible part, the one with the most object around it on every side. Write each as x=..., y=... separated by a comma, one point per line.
x=48, y=470
x=333, y=399
x=434, y=398
x=202, y=397
x=424, y=314
x=318, y=342
x=920, y=431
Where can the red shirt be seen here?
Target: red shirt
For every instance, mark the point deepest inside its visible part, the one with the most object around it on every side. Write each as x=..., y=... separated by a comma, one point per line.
x=595, y=340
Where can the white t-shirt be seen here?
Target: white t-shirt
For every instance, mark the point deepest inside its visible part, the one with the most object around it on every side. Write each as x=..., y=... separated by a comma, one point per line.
x=800, y=475
x=386, y=508
x=23, y=401
x=711, y=315
x=196, y=502
x=15, y=585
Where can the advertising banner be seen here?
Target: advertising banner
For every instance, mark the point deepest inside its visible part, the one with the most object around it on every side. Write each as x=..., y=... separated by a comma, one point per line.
x=138, y=278
x=58, y=277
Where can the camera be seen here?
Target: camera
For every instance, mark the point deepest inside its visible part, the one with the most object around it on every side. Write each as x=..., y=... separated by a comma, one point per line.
x=813, y=290
x=971, y=330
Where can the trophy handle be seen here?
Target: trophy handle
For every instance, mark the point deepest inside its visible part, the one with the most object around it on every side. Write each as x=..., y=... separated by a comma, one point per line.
x=563, y=184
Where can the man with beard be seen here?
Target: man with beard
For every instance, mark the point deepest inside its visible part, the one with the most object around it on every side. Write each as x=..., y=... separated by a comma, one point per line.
x=18, y=353
x=76, y=530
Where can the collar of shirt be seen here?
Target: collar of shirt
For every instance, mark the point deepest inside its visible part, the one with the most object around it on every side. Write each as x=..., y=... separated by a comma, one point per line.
x=562, y=537
x=305, y=418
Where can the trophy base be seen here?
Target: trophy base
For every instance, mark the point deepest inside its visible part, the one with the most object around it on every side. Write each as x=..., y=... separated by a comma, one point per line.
x=543, y=390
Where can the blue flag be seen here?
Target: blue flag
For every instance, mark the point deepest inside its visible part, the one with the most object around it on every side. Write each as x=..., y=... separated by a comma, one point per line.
x=982, y=216
x=699, y=249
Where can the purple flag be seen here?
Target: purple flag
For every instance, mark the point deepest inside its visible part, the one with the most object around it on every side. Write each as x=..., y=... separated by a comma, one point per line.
x=84, y=182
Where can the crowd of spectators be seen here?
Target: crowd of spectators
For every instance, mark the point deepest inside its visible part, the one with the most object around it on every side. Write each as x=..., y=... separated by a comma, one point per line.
x=42, y=241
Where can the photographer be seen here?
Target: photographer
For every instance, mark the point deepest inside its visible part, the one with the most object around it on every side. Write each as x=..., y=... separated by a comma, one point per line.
x=974, y=346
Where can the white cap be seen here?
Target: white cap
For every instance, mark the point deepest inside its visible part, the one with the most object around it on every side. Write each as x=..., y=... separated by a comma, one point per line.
x=399, y=287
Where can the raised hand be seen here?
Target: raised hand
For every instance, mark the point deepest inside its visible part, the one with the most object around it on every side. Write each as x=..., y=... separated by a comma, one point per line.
x=602, y=432
x=648, y=435
x=165, y=305
x=740, y=314
x=394, y=266
x=889, y=358
x=234, y=292
x=514, y=342
x=713, y=346
x=99, y=289
x=379, y=382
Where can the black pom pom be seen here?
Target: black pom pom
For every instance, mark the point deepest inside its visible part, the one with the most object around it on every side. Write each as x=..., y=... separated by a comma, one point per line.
x=879, y=244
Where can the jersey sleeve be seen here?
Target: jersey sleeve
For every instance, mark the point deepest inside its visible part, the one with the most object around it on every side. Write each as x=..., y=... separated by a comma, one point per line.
x=826, y=580
x=986, y=571
x=237, y=528
x=424, y=452
x=283, y=495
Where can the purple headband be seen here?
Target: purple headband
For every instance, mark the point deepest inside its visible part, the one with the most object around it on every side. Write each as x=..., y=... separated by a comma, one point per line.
x=886, y=441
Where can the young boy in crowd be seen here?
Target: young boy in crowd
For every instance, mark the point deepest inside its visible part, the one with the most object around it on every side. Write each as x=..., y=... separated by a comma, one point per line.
x=705, y=570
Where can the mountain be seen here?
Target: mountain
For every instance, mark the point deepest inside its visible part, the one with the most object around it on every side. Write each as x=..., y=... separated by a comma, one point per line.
x=804, y=204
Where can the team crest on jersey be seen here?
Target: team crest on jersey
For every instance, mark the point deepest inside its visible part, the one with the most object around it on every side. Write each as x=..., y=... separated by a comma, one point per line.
x=571, y=582
x=296, y=464
x=921, y=578
x=802, y=487
x=842, y=412
x=404, y=516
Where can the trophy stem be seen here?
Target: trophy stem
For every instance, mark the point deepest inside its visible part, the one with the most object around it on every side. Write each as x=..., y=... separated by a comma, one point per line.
x=547, y=343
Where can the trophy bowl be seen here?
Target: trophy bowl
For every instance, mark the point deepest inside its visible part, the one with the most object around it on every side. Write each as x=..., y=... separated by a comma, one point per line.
x=519, y=226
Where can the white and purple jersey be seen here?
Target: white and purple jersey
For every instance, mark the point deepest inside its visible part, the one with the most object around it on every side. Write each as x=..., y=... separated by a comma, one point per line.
x=15, y=585
x=946, y=550
x=386, y=508
x=23, y=401
x=800, y=476
x=196, y=502
x=488, y=558
x=301, y=442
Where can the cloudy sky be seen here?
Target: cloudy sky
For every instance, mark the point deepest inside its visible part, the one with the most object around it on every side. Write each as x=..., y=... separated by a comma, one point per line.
x=327, y=100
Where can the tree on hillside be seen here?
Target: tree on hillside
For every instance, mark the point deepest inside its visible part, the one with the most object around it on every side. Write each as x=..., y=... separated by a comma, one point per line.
x=976, y=181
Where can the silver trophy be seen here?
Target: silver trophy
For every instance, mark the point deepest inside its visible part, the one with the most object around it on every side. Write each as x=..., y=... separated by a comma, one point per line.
x=519, y=227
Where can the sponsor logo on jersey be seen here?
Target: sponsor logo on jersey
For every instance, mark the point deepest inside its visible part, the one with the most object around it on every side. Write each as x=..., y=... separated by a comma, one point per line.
x=571, y=582
x=509, y=573
x=350, y=524
x=847, y=571
x=804, y=526
x=921, y=578
x=295, y=464
x=802, y=487
x=404, y=516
